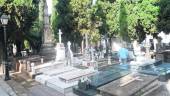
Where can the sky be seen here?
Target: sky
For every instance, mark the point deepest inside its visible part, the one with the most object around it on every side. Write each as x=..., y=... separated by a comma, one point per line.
x=49, y=3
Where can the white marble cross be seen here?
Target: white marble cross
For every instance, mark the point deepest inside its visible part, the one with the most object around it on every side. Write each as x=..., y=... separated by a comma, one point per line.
x=60, y=33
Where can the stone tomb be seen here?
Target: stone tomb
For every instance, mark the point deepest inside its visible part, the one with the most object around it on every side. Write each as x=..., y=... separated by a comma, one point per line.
x=74, y=75
x=102, y=77
x=140, y=85
x=63, y=79
x=60, y=86
x=40, y=69
x=49, y=74
x=65, y=82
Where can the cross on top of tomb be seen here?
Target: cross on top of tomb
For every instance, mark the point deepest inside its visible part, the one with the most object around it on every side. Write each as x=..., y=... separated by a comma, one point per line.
x=60, y=33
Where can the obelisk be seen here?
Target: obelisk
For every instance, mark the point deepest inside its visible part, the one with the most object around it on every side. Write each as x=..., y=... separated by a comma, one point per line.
x=48, y=38
x=47, y=49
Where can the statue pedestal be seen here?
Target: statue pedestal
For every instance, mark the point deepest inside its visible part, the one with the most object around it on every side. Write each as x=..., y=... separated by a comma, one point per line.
x=60, y=51
x=48, y=51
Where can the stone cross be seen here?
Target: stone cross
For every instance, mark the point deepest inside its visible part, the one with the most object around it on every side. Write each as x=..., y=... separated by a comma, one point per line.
x=60, y=33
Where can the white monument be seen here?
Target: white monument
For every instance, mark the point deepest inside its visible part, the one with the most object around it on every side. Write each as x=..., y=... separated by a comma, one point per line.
x=155, y=42
x=60, y=49
x=60, y=33
x=47, y=48
x=69, y=54
x=165, y=37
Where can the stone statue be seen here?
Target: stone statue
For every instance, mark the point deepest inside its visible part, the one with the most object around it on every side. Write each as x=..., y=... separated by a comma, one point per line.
x=14, y=49
x=155, y=42
x=69, y=53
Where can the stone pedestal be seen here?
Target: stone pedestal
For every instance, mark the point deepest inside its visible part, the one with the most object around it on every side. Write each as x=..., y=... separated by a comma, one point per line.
x=48, y=52
x=47, y=49
x=60, y=51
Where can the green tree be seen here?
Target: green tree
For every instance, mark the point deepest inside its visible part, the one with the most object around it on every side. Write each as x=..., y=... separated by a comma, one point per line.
x=65, y=19
x=54, y=19
x=86, y=21
x=144, y=11
x=163, y=23
x=123, y=24
x=23, y=13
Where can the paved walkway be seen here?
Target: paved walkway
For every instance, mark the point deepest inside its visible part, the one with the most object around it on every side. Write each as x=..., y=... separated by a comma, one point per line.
x=3, y=93
x=5, y=89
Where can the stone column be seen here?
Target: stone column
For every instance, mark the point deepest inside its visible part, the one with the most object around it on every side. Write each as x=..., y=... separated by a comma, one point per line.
x=47, y=48
x=47, y=28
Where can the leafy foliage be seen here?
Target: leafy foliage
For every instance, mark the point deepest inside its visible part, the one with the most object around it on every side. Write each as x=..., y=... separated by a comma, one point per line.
x=163, y=23
x=129, y=19
x=23, y=13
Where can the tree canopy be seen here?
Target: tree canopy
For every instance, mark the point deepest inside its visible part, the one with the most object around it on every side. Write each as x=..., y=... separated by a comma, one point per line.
x=127, y=19
x=21, y=26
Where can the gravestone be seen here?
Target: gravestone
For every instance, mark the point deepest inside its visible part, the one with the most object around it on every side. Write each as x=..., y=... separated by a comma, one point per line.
x=60, y=49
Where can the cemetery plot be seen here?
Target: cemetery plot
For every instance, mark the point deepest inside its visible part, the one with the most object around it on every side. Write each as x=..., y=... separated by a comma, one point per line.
x=54, y=72
x=158, y=68
x=45, y=67
x=69, y=80
x=63, y=79
x=134, y=86
x=60, y=86
x=49, y=74
x=72, y=76
x=104, y=76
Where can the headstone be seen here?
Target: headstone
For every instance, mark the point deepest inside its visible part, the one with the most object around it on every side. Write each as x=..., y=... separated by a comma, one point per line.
x=60, y=49
x=60, y=52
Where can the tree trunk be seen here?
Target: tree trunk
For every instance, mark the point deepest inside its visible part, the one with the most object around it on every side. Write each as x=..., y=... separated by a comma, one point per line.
x=18, y=45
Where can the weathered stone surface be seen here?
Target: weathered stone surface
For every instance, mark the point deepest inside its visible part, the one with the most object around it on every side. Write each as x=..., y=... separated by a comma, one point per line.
x=130, y=89
x=6, y=88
